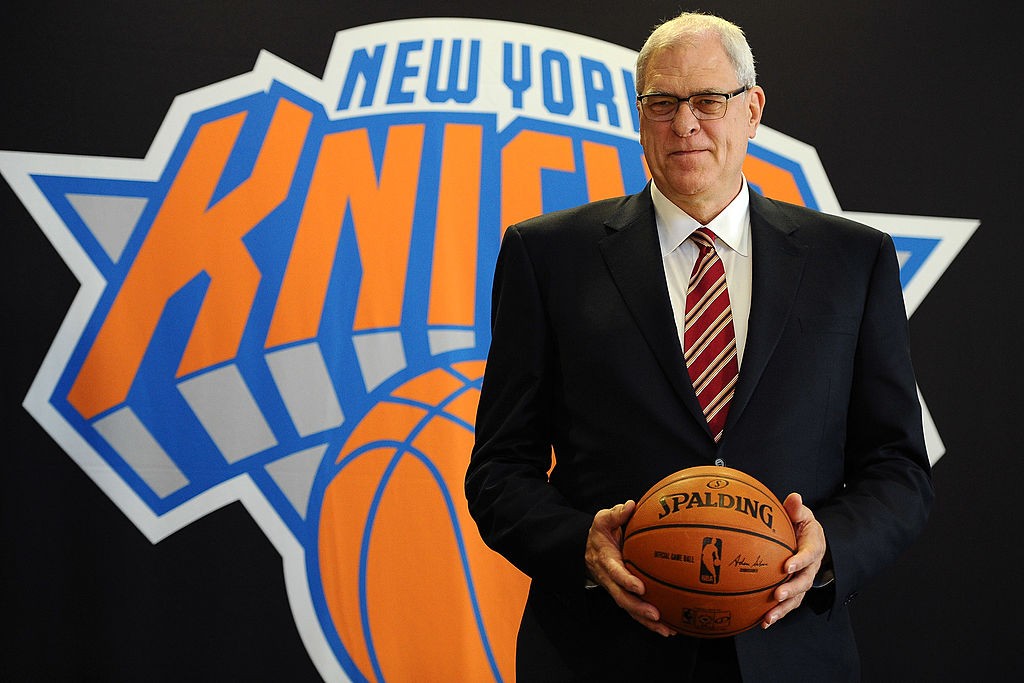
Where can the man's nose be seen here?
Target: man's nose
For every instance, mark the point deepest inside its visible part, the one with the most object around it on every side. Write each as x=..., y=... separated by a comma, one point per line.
x=684, y=123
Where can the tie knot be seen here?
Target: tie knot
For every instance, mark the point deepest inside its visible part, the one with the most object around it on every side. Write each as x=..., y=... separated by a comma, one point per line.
x=704, y=238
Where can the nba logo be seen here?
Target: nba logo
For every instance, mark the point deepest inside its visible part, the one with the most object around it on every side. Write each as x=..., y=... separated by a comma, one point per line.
x=710, y=560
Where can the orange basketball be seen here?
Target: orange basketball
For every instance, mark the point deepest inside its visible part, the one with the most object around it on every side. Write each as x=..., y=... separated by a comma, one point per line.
x=710, y=545
x=412, y=591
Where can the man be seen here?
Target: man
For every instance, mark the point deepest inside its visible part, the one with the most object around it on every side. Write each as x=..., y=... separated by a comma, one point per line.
x=587, y=358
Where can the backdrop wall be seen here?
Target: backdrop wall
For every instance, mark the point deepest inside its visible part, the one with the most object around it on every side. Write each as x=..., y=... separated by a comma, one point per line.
x=909, y=109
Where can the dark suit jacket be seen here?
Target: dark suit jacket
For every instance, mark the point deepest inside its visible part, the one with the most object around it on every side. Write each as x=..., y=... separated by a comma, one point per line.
x=585, y=358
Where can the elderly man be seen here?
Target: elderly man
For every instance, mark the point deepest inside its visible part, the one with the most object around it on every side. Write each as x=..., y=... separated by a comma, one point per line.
x=601, y=352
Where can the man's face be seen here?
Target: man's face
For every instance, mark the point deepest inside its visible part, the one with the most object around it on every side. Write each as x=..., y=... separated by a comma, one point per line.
x=698, y=164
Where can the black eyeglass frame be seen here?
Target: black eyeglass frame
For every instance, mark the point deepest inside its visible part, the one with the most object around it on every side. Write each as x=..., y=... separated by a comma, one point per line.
x=696, y=112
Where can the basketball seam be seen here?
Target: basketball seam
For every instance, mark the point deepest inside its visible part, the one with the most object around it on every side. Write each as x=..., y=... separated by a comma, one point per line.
x=684, y=589
x=714, y=527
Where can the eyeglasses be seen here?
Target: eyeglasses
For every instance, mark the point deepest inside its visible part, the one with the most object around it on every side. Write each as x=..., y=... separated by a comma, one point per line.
x=705, y=106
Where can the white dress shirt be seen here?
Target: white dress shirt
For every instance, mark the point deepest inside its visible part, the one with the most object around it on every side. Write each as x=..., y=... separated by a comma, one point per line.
x=678, y=254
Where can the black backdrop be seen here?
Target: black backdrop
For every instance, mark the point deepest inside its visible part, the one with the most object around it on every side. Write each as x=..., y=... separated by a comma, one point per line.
x=912, y=110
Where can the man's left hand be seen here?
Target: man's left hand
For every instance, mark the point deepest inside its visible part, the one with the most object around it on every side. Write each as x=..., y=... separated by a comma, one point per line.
x=804, y=565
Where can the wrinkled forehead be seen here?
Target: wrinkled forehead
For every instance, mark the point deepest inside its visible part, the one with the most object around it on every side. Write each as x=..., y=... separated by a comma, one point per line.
x=690, y=65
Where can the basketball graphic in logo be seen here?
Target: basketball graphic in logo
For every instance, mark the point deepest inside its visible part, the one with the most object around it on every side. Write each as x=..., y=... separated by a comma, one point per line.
x=412, y=591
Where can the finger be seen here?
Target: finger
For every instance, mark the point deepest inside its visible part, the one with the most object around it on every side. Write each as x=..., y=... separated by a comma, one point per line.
x=793, y=504
x=790, y=596
x=614, y=518
x=620, y=575
x=658, y=627
x=645, y=613
x=604, y=546
x=809, y=535
x=807, y=558
x=604, y=554
x=621, y=513
x=782, y=609
x=796, y=585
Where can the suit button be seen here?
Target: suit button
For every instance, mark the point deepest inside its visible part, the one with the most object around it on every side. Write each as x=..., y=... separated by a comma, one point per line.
x=719, y=462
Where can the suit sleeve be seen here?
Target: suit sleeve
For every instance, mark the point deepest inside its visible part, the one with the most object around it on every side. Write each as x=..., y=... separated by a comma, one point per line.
x=519, y=514
x=887, y=493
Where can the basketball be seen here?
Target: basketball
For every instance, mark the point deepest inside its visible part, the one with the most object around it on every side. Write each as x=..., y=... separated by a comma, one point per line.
x=396, y=555
x=710, y=544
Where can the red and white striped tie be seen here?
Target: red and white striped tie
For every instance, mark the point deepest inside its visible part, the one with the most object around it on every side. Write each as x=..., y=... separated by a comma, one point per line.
x=708, y=336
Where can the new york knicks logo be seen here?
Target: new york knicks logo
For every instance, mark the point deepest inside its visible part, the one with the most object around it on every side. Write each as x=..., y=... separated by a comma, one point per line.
x=286, y=304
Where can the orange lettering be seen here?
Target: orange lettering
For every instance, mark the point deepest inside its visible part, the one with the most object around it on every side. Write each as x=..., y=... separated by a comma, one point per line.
x=382, y=212
x=190, y=237
x=452, y=299
x=522, y=161
x=604, y=172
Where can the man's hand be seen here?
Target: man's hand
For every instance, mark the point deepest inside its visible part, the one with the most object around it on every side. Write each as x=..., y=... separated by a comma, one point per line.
x=605, y=566
x=804, y=565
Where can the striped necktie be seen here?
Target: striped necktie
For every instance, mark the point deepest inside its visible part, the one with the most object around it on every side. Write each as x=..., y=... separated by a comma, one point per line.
x=708, y=337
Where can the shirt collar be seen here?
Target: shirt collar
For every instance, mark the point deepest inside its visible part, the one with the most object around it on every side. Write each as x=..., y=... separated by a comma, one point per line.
x=732, y=226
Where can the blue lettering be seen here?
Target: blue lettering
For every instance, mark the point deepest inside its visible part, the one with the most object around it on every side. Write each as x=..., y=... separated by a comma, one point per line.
x=563, y=104
x=452, y=92
x=403, y=71
x=627, y=80
x=367, y=66
x=522, y=84
x=597, y=88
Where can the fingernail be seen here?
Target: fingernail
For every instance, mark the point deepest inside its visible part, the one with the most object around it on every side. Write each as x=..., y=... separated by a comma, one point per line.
x=782, y=596
x=791, y=568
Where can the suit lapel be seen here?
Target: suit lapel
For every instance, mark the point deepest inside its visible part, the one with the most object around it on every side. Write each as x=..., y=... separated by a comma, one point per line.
x=778, y=265
x=633, y=256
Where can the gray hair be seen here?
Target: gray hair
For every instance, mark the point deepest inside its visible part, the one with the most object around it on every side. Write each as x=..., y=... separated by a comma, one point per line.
x=688, y=27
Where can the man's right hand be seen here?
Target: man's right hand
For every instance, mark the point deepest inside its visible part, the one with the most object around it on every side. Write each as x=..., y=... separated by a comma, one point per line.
x=606, y=568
